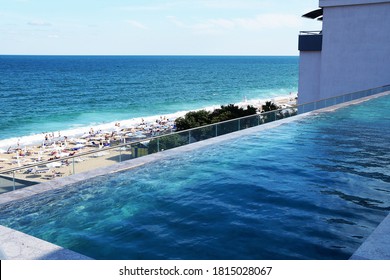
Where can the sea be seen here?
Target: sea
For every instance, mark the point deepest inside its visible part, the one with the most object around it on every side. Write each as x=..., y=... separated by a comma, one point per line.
x=67, y=95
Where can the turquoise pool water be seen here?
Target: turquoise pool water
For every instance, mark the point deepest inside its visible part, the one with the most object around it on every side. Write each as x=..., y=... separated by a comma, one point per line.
x=310, y=189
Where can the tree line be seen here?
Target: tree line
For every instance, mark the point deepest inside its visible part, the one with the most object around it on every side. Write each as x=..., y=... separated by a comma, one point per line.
x=201, y=118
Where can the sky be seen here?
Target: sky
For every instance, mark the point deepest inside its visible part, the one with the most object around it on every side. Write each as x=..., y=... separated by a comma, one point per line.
x=153, y=27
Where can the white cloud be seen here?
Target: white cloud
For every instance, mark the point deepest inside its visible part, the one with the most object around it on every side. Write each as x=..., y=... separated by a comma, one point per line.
x=177, y=22
x=265, y=21
x=222, y=23
x=39, y=23
x=269, y=21
x=146, y=8
x=234, y=4
x=137, y=24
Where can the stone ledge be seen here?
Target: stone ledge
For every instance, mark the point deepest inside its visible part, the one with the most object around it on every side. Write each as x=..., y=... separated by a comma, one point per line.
x=16, y=245
x=377, y=245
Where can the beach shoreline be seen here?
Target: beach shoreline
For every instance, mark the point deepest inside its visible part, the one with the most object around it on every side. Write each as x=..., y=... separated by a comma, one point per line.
x=37, y=139
x=51, y=147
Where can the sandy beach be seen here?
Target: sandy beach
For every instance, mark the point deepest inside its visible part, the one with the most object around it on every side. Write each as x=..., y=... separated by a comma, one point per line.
x=96, y=148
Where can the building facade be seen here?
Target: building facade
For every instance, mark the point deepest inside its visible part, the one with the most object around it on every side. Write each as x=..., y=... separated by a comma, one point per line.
x=351, y=53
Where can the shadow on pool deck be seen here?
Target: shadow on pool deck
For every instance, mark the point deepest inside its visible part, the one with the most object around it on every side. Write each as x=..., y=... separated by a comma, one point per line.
x=7, y=184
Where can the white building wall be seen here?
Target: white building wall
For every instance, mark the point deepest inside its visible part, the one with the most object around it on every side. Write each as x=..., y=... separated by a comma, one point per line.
x=355, y=49
x=309, y=77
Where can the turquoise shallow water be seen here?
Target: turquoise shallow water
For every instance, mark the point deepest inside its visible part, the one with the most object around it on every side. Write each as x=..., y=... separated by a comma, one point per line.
x=311, y=189
x=56, y=93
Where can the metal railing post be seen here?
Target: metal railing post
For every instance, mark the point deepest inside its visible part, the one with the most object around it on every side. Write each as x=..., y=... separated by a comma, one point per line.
x=13, y=180
x=73, y=164
x=216, y=130
x=120, y=154
x=158, y=144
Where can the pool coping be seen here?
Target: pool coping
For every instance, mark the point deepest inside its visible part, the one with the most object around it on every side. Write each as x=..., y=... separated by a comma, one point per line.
x=17, y=245
x=377, y=244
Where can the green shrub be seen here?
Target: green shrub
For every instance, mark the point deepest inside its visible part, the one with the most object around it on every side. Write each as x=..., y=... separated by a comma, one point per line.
x=203, y=117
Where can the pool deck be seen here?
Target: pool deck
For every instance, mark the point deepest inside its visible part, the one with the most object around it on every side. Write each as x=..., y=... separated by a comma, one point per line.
x=17, y=245
x=377, y=245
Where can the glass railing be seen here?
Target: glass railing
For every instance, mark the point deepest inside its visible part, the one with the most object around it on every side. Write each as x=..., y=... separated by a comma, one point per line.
x=320, y=104
x=34, y=173
x=37, y=172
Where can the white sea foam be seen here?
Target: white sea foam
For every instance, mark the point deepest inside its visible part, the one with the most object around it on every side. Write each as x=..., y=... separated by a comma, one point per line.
x=78, y=131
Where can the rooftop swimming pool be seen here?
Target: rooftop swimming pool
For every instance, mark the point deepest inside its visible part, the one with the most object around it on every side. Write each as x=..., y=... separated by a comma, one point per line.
x=314, y=188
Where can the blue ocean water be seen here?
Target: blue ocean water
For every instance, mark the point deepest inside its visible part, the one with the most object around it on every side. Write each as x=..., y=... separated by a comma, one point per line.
x=55, y=93
x=310, y=189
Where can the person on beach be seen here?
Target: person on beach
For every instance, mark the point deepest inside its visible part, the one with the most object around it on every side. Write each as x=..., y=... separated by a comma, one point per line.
x=40, y=154
x=20, y=153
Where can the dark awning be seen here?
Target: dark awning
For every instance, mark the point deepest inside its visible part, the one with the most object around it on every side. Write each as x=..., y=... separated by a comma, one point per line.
x=314, y=14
